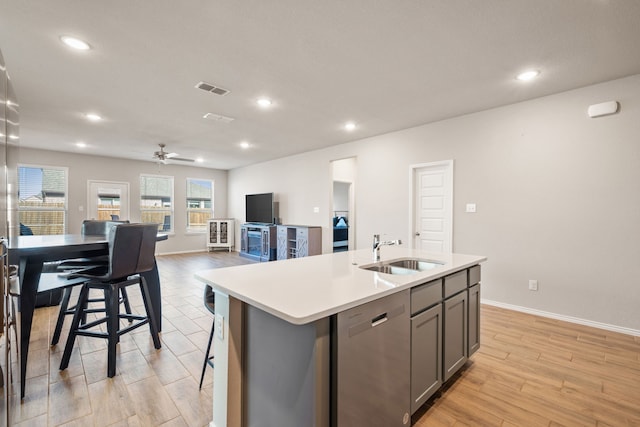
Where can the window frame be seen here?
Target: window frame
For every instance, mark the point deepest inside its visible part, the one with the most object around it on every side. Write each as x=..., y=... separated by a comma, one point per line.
x=202, y=229
x=171, y=178
x=65, y=209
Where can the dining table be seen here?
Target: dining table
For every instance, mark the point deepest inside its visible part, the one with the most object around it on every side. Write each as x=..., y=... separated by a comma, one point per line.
x=31, y=252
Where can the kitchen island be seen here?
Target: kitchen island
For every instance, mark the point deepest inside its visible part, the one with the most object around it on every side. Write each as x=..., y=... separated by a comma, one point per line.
x=282, y=350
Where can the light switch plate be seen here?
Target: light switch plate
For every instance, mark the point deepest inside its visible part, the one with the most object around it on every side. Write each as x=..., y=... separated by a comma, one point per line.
x=220, y=326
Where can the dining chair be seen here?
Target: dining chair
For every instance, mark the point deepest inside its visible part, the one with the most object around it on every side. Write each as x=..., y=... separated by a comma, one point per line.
x=89, y=228
x=210, y=304
x=131, y=252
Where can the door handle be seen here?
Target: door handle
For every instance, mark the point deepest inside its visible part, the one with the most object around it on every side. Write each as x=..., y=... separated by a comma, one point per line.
x=417, y=233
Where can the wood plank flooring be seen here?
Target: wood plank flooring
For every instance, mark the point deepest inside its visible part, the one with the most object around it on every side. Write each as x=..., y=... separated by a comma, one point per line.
x=529, y=371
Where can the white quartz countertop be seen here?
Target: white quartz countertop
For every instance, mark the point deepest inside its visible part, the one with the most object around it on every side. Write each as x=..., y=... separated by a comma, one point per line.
x=307, y=289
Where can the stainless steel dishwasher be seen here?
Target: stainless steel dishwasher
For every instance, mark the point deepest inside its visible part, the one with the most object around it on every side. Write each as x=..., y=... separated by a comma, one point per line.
x=371, y=364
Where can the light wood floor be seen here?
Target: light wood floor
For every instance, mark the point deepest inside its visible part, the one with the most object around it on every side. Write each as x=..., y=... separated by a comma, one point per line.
x=529, y=371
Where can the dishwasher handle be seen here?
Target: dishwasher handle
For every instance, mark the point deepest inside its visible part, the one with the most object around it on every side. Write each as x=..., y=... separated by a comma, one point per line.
x=370, y=323
x=379, y=320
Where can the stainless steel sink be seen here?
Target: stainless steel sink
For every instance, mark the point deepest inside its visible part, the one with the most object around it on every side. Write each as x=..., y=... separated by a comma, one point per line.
x=415, y=264
x=388, y=269
x=403, y=266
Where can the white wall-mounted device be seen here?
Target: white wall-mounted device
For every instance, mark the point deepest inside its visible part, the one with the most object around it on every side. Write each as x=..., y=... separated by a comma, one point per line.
x=603, y=109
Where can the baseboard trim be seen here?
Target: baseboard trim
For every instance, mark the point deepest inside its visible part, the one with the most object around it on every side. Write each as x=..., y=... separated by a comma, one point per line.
x=570, y=319
x=193, y=251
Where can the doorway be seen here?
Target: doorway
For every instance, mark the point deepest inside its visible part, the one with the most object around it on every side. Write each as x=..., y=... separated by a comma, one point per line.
x=432, y=206
x=107, y=200
x=343, y=174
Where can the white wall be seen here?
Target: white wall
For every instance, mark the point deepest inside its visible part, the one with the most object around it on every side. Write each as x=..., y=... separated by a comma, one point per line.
x=84, y=167
x=557, y=193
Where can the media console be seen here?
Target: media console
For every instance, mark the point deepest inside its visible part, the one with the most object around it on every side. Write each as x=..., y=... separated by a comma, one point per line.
x=258, y=241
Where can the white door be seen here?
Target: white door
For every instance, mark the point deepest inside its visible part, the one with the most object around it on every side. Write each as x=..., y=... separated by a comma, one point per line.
x=433, y=206
x=107, y=200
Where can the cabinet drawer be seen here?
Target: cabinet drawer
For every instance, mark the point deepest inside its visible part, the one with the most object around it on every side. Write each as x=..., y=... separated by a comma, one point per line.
x=303, y=233
x=424, y=296
x=455, y=283
x=474, y=275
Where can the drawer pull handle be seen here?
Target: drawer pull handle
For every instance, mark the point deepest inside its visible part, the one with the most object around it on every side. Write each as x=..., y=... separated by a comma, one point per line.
x=378, y=320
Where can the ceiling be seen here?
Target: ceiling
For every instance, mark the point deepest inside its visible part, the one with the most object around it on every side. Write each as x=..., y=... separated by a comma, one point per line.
x=383, y=64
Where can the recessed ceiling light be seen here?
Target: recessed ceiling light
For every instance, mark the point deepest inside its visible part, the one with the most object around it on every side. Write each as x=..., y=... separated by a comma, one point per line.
x=199, y=159
x=80, y=144
x=75, y=43
x=14, y=137
x=244, y=145
x=528, y=75
x=264, y=102
x=349, y=126
x=93, y=117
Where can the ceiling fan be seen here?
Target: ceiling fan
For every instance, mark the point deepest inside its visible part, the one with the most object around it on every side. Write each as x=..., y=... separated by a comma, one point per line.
x=162, y=156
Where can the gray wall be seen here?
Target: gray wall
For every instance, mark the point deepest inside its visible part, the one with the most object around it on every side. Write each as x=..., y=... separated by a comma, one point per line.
x=557, y=193
x=84, y=167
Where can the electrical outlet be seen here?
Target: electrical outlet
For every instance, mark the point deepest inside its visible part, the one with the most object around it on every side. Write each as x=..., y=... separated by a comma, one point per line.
x=220, y=326
x=533, y=285
x=470, y=208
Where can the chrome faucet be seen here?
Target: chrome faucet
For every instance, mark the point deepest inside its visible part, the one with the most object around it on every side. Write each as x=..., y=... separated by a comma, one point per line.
x=377, y=243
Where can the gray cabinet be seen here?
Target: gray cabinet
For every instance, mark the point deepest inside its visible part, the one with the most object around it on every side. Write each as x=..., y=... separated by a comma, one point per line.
x=426, y=355
x=455, y=333
x=474, y=319
x=297, y=241
x=474, y=310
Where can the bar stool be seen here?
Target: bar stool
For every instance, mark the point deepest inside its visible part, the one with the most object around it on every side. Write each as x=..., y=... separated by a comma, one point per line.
x=131, y=252
x=210, y=304
x=89, y=228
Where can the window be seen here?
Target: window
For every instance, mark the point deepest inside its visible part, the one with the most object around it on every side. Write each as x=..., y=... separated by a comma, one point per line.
x=156, y=201
x=42, y=201
x=199, y=203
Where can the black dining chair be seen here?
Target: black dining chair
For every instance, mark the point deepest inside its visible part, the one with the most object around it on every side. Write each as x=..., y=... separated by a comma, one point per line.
x=210, y=304
x=89, y=228
x=131, y=252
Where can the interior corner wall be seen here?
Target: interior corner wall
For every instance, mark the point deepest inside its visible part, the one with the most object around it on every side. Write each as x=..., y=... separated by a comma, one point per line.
x=557, y=195
x=84, y=167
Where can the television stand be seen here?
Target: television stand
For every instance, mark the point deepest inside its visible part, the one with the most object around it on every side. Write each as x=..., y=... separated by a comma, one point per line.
x=258, y=241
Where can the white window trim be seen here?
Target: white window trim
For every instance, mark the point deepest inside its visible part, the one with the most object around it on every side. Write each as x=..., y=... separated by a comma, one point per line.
x=66, y=191
x=173, y=198
x=204, y=230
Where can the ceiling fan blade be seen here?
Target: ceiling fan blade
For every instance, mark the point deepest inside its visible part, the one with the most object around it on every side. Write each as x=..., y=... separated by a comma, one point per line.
x=171, y=155
x=182, y=159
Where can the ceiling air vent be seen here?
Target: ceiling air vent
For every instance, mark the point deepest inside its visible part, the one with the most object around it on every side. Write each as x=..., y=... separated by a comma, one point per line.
x=218, y=118
x=211, y=88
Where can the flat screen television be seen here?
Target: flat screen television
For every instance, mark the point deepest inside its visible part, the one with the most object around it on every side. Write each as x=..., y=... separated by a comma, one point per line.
x=259, y=208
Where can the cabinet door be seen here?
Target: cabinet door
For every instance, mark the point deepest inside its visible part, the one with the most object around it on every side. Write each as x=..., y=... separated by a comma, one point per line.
x=213, y=232
x=282, y=242
x=223, y=226
x=244, y=239
x=302, y=242
x=474, y=319
x=426, y=359
x=455, y=333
